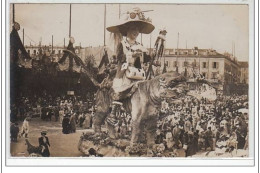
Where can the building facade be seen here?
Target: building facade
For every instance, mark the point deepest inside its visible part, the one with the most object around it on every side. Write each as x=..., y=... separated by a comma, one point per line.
x=222, y=70
x=244, y=72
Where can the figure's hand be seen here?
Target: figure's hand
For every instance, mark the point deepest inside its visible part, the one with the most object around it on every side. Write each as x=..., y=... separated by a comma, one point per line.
x=137, y=53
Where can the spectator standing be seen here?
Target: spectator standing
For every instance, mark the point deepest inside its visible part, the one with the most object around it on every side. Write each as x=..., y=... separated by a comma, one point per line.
x=25, y=127
x=44, y=143
x=73, y=123
x=14, y=132
x=66, y=124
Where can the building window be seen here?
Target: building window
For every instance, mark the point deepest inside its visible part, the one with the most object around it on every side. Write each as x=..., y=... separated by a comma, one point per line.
x=28, y=52
x=34, y=51
x=214, y=75
x=204, y=65
x=175, y=64
x=204, y=74
x=215, y=65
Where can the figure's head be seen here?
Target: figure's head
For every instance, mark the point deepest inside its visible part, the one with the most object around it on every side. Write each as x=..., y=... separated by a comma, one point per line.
x=133, y=32
x=44, y=133
x=16, y=26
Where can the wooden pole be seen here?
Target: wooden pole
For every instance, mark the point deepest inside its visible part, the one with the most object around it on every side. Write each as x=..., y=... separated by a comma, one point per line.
x=64, y=42
x=178, y=44
x=150, y=44
x=105, y=25
x=119, y=11
x=13, y=13
x=234, y=49
x=52, y=44
x=23, y=36
x=177, y=51
x=70, y=23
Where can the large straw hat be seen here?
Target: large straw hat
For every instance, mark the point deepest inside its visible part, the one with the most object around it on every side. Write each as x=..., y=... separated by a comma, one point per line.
x=134, y=17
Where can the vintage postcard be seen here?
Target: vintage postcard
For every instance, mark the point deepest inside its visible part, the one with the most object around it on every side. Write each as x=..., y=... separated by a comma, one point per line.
x=142, y=80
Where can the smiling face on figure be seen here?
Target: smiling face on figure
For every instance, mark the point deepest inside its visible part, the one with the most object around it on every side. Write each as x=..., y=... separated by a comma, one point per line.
x=133, y=32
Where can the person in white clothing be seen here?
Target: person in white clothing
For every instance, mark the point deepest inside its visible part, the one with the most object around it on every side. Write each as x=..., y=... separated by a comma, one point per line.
x=25, y=128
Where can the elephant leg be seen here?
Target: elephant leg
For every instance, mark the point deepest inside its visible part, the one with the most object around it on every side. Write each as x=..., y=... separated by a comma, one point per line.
x=141, y=136
x=135, y=130
x=150, y=130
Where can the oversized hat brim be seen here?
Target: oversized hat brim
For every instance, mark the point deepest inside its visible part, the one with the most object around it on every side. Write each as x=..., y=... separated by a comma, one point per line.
x=144, y=27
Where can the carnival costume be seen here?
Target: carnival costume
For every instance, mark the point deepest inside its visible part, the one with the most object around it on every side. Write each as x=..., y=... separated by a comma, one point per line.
x=130, y=68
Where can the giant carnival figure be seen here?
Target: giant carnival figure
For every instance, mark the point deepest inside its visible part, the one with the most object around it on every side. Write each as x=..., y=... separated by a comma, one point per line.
x=128, y=86
x=17, y=51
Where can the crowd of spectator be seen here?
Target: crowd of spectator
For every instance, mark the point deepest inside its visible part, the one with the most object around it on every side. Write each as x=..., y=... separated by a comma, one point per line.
x=198, y=125
x=191, y=124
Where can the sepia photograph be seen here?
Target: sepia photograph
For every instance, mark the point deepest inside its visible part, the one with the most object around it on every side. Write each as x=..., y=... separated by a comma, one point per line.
x=129, y=80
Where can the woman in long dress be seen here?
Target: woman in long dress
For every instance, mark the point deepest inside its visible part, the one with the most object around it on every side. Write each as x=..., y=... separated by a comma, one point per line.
x=44, y=144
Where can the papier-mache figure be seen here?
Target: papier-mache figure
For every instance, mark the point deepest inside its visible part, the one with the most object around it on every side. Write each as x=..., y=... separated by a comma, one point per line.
x=131, y=55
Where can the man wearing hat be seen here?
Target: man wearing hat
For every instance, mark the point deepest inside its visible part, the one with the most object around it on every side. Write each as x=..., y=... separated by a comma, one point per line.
x=44, y=143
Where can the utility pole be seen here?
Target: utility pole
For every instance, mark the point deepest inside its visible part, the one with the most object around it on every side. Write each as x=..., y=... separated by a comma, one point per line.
x=177, y=51
x=105, y=24
x=150, y=44
x=70, y=23
x=234, y=49
x=13, y=13
x=52, y=44
x=23, y=36
x=119, y=11
x=64, y=42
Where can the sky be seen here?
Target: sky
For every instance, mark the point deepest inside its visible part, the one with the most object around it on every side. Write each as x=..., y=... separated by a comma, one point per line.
x=204, y=26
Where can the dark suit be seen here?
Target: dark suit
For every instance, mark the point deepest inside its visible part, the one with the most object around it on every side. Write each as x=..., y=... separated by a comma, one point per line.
x=46, y=145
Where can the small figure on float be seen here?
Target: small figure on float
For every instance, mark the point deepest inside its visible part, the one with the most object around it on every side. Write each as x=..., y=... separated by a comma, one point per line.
x=157, y=52
x=131, y=55
x=71, y=54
